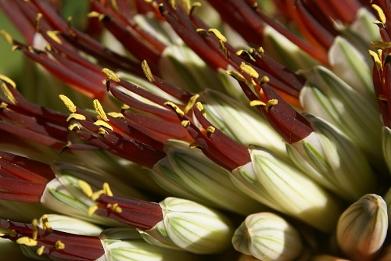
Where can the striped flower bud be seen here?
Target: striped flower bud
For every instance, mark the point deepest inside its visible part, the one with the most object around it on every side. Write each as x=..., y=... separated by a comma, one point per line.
x=188, y=173
x=267, y=236
x=362, y=228
x=282, y=187
x=189, y=226
x=333, y=161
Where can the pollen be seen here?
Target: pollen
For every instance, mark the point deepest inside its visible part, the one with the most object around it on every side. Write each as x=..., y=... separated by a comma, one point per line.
x=68, y=103
x=191, y=103
x=85, y=187
x=7, y=93
x=59, y=245
x=111, y=75
x=380, y=13
x=54, y=36
x=99, y=109
x=7, y=80
x=27, y=241
x=147, y=71
x=249, y=70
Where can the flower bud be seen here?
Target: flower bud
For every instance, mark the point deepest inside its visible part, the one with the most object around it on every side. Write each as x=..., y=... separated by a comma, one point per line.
x=190, y=226
x=69, y=225
x=282, y=187
x=330, y=159
x=362, y=228
x=126, y=244
x=267, y=236
x=241, y=123
x=188, y=173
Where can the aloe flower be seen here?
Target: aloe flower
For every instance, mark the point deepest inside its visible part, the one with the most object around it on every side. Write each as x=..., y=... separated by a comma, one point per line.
x=199, y=114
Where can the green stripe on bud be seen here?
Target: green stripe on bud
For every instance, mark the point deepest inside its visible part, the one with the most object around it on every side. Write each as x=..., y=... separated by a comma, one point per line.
x=240, y=122
x=362, y=228
x=267, y=236
x=190, y=226
x=126, y=244
x=351, y=66
x=331, y=99
x=188, y=173
x=333, y=161
x=282, y=187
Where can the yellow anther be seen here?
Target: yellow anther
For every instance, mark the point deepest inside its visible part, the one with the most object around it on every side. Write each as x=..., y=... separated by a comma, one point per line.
x=218, y=35
x=101, y=123
x=38, y=20
x=239, y=77
x=7, y=37
x=147, y=71
x=175, y=108
x=7, y=80
x=99, y=109
x=380, y=13
x=270, y=103
x=194, y=6
x=114, y=207
x=265, y=79
x=200, y=30
x=74, y=126
x=210, y=130
x=125, y=107
x=239, y=52
x=7, y=93
x=249, y=70
x=185, y=123
x=97, y=194
x=111, y=75
x=68, y=103
x=191, y=103
x=257, y=103
x=40, y=250
x=3, y=105
x=116, y=114
x=27, y=241
x=102, y=131
x=376, y=58
x=193, y=146
x=260, y=50
x=59, y=245
x=199, y=106
x=85, y=187
x=54, y=36
x=92, y=210
x=95, y=14
x=34, y=224
x=76, y=116
x=45, y=223
x=107, y=189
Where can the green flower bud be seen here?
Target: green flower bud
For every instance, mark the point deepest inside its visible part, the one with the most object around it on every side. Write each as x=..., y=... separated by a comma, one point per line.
x=333, y=161
x=190, y=226
x=69, y=225
x=282, y=187
x=364, y=23
x=362, y=228
x=241, y=123
x=267, y=237
x=188, y=173
x=126, y=244
x=331, y=99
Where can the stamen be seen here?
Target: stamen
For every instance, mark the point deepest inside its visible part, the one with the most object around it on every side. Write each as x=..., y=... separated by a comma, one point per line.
x=111, y=75
x=8, y=94
x=26, y=241
x=107, y=189
x=59, y=245
x=191, y=103
x=380, y=14
x=99, y=109
x=68, y=103
x=85, y=187
x=210, y=130
x=34, y=224
x=185, y=123
x=7, y=80
x=40, y=250
x=74, y=126
x=54, y=36
x=92, y=210
x=76, y=116
x=7, y=37
x=249, y=70
x=175, y=108
x=147, y=71
x=116, y=114
x=115, y=207
x=218, y=35
x=376, y=56
x=95, y=14
x=103, y=124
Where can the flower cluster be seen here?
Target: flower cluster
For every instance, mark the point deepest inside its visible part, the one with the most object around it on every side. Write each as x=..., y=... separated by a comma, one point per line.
x=199, y=129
